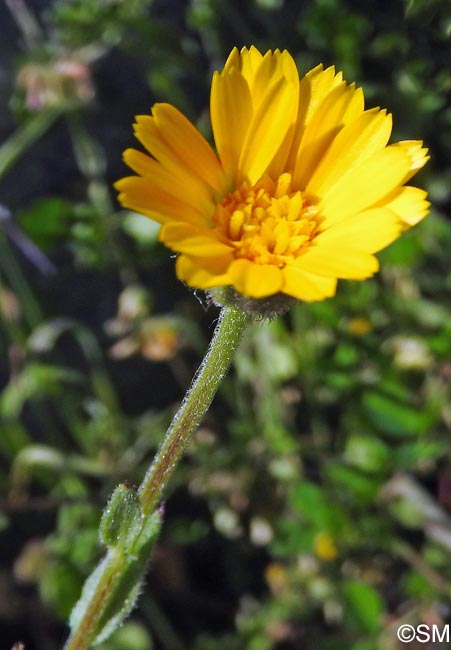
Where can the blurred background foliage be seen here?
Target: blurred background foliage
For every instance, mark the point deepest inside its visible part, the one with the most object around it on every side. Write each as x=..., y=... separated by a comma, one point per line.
x=313, y=509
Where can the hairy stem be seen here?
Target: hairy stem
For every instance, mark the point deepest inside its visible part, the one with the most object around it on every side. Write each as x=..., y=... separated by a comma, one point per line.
x=225, y=340
x=197, y=400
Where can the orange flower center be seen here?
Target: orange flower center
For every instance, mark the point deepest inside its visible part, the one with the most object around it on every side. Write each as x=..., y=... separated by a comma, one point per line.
x=267, y=223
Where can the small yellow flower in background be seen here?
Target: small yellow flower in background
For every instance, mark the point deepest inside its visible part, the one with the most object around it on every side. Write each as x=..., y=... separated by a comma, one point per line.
x=359, y=326
x=324, y=547
x=277, y=577
x=302, y=191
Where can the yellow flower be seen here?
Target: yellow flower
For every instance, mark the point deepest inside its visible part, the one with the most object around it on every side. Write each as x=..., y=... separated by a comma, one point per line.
x=324, y=546
x=302, y=189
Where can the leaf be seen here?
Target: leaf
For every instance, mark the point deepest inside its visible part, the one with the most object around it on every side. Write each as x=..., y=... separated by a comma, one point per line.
x=128, y=586
x=132, y=636
x=420, y=8
x=367, y=453
x=46, y=221
x=364, y=605
x=412, y=453
x=59, y=586
x=292, y=537
x=321, y=513
x=122, y=519
x=122, y=572
x=349, y=480
x=311, y=503
x=36, y=380
x=395, y=418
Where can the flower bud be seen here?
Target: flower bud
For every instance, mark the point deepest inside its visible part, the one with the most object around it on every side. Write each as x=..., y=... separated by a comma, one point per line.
x=122, y=519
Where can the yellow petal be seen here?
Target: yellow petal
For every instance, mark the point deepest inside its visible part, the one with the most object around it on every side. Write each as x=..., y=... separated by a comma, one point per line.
x=279, y=162
x=231, y=112
x=234, y=59
x=171, y=152
x=183, y=138
x=370, y=231
x=341, y=106
x=190, y=189
x=202, y=273
x=356, y=142
x=148, y=198
x=270, y=123
x=409, y=204
x=416, y=153
x=364, y=186
x=273, y=65
x=307, y=286
x=313, y=89
x=186, y=238
x=246, y=61
x=343, y=262
x=150, y=136
x=255, y=280
x=241, y=96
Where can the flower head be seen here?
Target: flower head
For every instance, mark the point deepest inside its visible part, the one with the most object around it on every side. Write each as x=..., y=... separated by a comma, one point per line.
x=301, y=191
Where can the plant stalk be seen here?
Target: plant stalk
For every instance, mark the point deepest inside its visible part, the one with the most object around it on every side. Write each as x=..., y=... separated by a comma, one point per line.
x=82, y=637
x=208, y=377
x=225, y=340
x=34, y=128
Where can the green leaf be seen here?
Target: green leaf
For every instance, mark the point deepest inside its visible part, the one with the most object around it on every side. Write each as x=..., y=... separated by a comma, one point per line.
x=352, y=482
x=416, y=8
x=346, y=355
x=13, y=437
x=123, y=570
x=416, y=585
x=122, y=518
x=132, y=636
x=128, y=585
x=292, y=537
x=321, y=512
x=46, y=221
x=36, y=380
x=410, y=454
x=312, y=504
x=36, y=455
x=59, y=587
x=395, y=418
x=365, y=606
x=369, y=454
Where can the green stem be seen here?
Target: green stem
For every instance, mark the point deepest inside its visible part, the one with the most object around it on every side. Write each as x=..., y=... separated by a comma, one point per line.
x=25, y=136
x=225, y=340
x=205, y=384
x=19, y=283
x=82, y=637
